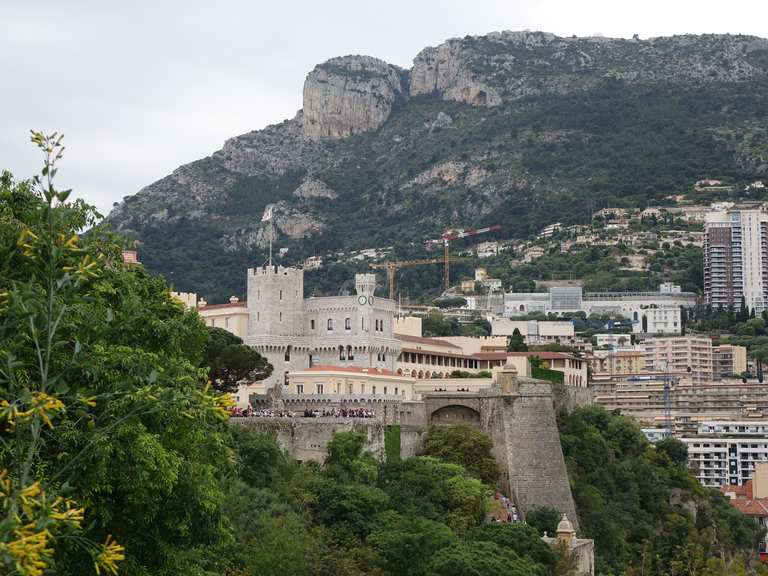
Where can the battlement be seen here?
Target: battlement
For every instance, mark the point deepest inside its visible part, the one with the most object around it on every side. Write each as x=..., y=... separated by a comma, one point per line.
x=281, y=271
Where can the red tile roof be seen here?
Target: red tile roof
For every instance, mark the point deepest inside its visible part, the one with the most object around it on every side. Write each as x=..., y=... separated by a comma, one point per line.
x=744, y=502
x=227, y=305
x=540, y=354
x=352, y=369
x=420, y=340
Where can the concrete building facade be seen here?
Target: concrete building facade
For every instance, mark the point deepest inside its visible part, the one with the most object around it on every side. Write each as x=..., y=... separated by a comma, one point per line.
x=736, y=259
x=728, y=361
x=691, y=354
x=567, y=299
x=727, y=452
x=535, y=331
x=232, y=316
x=350, y=382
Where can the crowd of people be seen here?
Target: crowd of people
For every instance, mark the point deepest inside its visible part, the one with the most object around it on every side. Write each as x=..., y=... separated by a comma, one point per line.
x=507, y=511
x=250, y=412
x=341, y=413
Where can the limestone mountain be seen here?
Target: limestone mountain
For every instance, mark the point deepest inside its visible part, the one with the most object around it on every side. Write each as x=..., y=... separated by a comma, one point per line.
x=517, y=128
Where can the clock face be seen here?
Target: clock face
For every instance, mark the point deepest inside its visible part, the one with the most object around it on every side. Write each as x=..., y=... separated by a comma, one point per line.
x=362, y=300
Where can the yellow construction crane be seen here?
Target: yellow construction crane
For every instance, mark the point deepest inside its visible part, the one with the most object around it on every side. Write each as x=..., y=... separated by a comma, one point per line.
x=391, y=267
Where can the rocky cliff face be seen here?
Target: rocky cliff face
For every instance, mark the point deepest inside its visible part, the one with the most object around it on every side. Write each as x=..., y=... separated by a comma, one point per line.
x=518, y=128
x=349, y=95
x=484, y=70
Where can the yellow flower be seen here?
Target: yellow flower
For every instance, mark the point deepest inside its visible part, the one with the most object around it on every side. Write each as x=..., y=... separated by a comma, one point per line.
x=110, y=553
x=90, y=401
x=45, y=405
x=29, y=550
x=66, y=511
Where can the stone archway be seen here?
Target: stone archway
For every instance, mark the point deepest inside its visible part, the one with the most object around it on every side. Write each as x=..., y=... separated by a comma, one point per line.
x=455, y=414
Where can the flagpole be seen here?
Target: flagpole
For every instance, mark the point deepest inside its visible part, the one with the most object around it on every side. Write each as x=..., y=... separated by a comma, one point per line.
x=271, y=232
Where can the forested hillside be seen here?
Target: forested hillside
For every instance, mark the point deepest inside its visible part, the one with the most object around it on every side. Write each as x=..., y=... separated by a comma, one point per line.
x=557, y=128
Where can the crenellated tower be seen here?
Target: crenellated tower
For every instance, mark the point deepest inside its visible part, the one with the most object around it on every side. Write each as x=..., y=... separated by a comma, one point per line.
x=275, y=301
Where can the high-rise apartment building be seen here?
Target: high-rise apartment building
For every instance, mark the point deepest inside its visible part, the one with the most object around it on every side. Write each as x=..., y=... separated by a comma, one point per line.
x=736, y=259
x=684, y=354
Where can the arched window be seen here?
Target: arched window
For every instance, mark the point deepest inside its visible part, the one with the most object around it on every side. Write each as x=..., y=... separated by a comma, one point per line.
x=288, y=354
x=347, y=324
x=522, y=308
x=342, y=356
x=330, y=324
x=350, y=354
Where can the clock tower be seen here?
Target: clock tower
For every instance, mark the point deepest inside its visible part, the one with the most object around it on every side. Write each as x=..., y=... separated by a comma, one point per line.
x=365, y=286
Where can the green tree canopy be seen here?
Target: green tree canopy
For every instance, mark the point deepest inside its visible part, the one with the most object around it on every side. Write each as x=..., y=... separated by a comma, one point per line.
x=104, y=402
x=466, y=446
x=231, y=361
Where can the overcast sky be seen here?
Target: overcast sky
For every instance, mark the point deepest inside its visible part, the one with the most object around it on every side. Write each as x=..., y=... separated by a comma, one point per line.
x=141, y=87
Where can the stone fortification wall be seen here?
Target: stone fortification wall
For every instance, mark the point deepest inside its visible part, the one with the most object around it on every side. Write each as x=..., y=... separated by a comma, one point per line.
x=306, y=438
x=570, y=397
x=518, y=414
x=537, y=472
x=526, y=442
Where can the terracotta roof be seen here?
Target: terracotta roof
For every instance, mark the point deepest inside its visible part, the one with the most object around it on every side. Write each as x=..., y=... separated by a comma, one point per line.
x=420, y=340
x=227, y=305
x=540, y=354
x=744, y=502
x=352, y=369
x=452, y=354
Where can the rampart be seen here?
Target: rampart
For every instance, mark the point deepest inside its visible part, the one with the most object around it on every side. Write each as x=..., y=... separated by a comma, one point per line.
x=517, y=413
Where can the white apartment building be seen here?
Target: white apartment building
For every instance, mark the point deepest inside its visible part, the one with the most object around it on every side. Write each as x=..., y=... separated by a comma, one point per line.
x=565, y=299
x=736, y=258
x=726, y=452
x=685, y=354
x=535, y=331
x=653, y=319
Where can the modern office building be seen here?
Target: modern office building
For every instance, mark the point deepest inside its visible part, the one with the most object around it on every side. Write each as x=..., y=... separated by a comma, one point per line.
x=736, y=259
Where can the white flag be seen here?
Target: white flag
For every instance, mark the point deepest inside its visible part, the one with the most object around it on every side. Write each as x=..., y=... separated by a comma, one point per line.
x=267, y=214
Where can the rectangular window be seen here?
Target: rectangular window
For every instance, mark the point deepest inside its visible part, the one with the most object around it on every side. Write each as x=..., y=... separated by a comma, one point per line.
x=373, y=389
x=330, y=324
x=385, y=390
x=281, y=294
x=299, y=388
x=311, y=324
x=347, y=324
x=319, y=388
